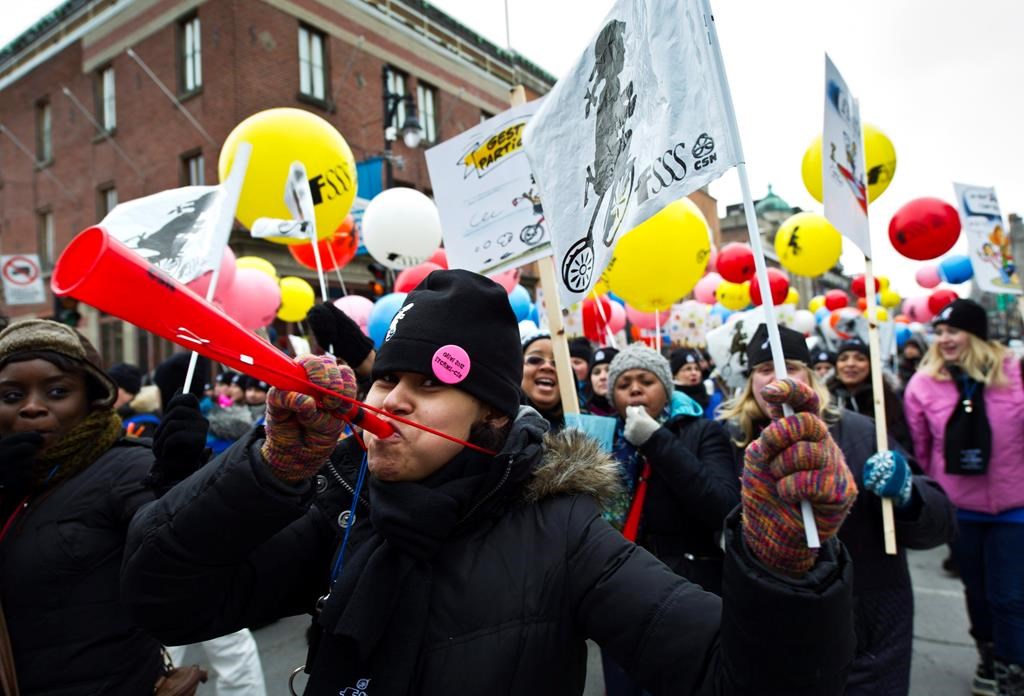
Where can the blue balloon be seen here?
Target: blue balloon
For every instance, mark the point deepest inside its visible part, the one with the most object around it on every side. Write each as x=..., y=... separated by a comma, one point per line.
x=615, y=298
x=822, y=314
x=903, y=334
x=956, y=269
x=519, y=298
x=384, y=310
x=534, y=313
x=719, y=310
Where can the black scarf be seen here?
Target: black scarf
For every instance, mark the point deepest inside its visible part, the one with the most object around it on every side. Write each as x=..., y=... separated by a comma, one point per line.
x=376, y=615
x=698, y=392
x=968, y=443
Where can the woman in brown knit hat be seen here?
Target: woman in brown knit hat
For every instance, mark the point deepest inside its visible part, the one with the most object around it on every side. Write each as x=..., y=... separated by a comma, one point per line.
x=69, y=485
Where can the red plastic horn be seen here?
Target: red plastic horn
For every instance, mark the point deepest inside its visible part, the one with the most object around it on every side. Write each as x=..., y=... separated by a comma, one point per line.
x=101, y=271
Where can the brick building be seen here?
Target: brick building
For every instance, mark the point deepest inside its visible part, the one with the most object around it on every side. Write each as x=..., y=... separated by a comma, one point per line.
x=85, y=121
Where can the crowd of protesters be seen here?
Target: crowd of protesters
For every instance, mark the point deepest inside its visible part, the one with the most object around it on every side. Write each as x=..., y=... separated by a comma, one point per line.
x=137, y=517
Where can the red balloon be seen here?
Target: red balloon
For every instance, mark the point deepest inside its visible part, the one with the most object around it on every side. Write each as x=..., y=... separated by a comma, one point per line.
x=924, y=228
x=408, y=279
x=836, y=299
x=857, y=286
x=594, y=326
x=440, y=257
x=939, y=299
x=735, y=262
x=777, y=281
x=335, y=251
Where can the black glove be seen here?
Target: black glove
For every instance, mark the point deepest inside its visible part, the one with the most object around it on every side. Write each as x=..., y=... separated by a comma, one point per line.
x=17, y=454
x=333, y=329
x=179, y=443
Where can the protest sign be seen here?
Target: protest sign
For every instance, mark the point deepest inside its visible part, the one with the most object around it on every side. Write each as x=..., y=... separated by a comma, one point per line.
x=988, y=240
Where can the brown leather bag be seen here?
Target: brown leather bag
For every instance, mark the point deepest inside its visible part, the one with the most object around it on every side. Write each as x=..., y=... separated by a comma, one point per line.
x=179, y=681
x=8, y=677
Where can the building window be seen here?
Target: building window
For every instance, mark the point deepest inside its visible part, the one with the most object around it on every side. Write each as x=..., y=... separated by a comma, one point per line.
x=191, y=59
x=106, y=200
x=426, y=99
x=111, y=339
x=312, y=67
x=107, y=104
x=46, y=239
x=192, y=169
x=396, y=85
x=44, y=127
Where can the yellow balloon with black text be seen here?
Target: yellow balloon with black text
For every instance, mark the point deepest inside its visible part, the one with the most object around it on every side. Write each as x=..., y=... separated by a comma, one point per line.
x=297, y=298
x=660, y=260
x=807, y=244
x=880, y=156
x=279, y=137
x=734, y=296
x=257, y=264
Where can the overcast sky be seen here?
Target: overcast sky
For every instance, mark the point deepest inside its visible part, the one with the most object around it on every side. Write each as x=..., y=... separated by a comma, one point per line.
x=943, y=79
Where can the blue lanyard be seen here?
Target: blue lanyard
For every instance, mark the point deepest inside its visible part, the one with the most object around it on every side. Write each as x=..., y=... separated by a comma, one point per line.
x=339, y=562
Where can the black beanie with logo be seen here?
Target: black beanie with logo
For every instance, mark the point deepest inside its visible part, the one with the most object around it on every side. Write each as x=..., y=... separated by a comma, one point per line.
x=794, y=346
x=458, y=327
x=965, y=315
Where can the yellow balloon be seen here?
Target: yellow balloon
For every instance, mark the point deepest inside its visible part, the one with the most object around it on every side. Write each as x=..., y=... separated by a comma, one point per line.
x=792, y=297
x=297, y=298
x=660, y=261
x=280, y=137
x=889, y=298
x=807, y=244
x=881, y=313
x=257, y=264
x=601, y=286
x=880, y=156
x=816, y=303
x=734, y=296
x=883, y=282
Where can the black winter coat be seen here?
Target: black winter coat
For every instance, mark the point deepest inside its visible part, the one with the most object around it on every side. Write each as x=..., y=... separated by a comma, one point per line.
x=513, y=598
x=861, y=399
x=60, y=568
x=693, y=487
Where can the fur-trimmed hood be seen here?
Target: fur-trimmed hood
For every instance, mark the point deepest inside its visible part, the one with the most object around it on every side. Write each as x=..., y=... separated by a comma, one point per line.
x=570, y=463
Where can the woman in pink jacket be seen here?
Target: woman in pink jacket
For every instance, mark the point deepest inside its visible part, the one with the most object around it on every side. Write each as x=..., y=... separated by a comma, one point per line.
x=965, y=409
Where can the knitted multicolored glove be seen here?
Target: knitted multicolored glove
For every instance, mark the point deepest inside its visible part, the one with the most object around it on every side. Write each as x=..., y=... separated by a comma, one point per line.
x=887, y=474
x=300, y=433
x=794, y=459
x=639, y=425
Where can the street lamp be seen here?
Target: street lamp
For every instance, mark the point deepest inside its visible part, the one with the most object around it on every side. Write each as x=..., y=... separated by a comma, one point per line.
x=411, y=131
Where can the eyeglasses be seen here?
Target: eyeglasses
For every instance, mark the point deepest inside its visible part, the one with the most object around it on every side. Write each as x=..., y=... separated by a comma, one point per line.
x=537, y=361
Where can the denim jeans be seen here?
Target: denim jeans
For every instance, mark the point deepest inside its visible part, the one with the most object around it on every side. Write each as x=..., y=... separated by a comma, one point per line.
x=991, y=557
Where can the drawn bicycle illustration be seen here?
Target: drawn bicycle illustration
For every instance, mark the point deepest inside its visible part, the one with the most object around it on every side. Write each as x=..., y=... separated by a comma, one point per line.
x=532, y=234
x=611, y=175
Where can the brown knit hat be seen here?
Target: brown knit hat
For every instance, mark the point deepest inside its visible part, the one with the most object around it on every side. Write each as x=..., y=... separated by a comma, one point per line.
x=32, y=335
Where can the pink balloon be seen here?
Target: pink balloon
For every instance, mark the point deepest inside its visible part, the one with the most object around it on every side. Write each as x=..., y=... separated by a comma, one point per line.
x=704, y=290
x=928, y=276
x=253, y=299
x=440, y=257
x=617, y=318
x=644, y=320
x=224, y=281
x=712, y=262
x=357, y=308
x=411, y=277
x=916, y=309
x=507, y=279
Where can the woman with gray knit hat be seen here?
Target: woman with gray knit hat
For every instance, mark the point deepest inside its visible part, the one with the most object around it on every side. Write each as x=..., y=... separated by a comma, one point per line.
x=466, y=552
x=69, y=484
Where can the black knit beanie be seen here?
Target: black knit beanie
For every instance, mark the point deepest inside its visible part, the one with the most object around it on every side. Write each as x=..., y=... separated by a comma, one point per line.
x=823, y=356
x=966, y=315
x=603, y=356
x=794, y=347
x=458, y=327
x=126, y=376
x=683, y=356
x=170, y=377
x=581, y=348
x=855, y=345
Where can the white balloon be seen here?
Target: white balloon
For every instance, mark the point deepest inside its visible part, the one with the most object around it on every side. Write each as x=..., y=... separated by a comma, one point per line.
x=401, y=228
x=803, y=321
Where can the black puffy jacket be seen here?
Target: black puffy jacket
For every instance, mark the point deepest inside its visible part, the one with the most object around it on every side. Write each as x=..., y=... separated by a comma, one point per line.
x=60, y=568
x=693, y=487
x=513, y=598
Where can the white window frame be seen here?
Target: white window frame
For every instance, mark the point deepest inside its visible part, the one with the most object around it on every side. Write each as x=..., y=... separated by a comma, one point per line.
x=108, y=99
x=191, y=55
x=195, y=170
x=426, y=101
x=312, y=66
x=109, y=199
x=44, y=131
x=47, y=239
x=396, y=85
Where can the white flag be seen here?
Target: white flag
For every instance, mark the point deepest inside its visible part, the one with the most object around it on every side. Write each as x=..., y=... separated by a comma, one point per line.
x=175, y=230
x=844, y=189
x=642, y=120
x=274, y=227
x=988, y=240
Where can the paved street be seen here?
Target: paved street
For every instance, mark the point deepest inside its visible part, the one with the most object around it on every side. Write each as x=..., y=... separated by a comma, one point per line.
x=944, y=655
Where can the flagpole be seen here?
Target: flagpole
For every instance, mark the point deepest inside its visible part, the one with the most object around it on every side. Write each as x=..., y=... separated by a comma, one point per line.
x=774, y=340
x=319, y=263
x=604, y=320
x=222, y=231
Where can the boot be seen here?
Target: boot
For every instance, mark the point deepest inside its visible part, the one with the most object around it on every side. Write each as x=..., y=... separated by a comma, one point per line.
x=1009, y=679
x=984, y=682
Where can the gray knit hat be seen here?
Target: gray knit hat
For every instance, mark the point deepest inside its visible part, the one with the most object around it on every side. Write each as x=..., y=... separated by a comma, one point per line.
x=32, y=335
x=637, y=356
